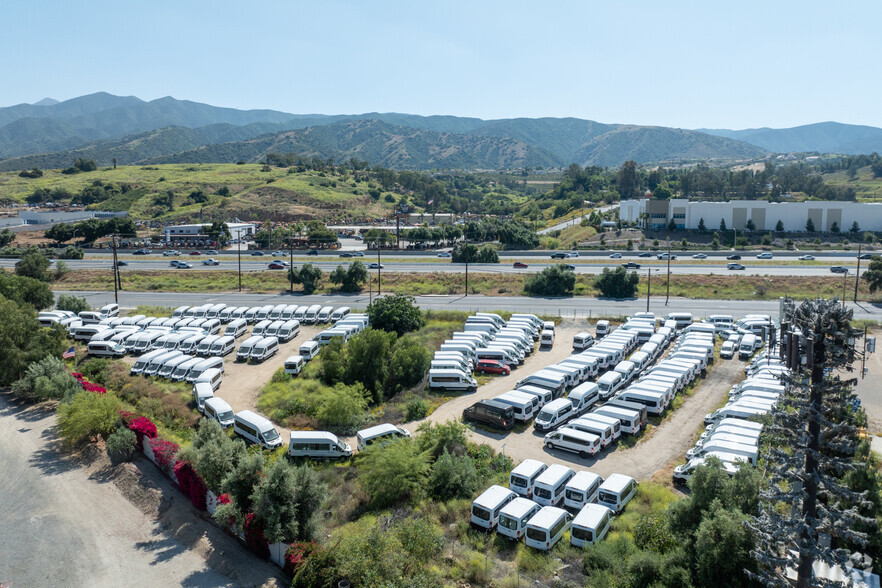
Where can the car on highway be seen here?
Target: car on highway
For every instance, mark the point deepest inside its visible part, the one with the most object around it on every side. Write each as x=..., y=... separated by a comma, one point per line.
x=358, y=254
x=181, y=264
x=312, y=252
x=564, y=254
x=142, y=252
x=867, y=256
x=645, y=254
x=764, y=255
x=258, y=254
x=170, y=252
x=277, y=253
x=615, y=255
x=839, y=269
x=665, y=256
x=276, y=265
x=631, y=265
x=121, y=263
x=568, y=266
x=699, y=256
x=211, y=252
x=346, y=254
x=733, y=257
x=210, y=261
x=195, y=253
x=806, y=258
x=375, y=265
x=492, y=366
x=735, y=266
x=519, y=265
x=445, y=254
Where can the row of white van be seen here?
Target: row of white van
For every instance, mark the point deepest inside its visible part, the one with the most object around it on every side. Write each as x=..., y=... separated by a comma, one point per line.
x=733, y=441
x=308, y=314
x=176, y=365
x=758, y=394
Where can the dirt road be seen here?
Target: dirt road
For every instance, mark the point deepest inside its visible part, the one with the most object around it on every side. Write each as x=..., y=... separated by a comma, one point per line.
x=68, y=521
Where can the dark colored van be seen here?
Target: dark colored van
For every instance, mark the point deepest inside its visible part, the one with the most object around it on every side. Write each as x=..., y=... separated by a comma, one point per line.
x=490, y=412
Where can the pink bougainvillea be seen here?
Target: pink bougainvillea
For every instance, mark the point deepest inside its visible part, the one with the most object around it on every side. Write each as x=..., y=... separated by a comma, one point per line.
x=90, y=387
x=164, y=452
x=143, y=427
x=296, y=554
x=254, y=537
x=126, y=416
x=224, y=498
x=77, y=375
x=191, y=484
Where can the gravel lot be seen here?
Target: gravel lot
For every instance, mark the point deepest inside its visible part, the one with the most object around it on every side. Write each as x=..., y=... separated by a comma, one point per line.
x=78, y=521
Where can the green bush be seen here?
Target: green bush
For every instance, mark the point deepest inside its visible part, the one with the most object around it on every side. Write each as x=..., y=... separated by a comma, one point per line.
x=453, y=477
x=46, y=379
x=617, y=283
x=121, y=443
x=393, y=473
x=408, y=365
x=396, y=313
x=87, y=415
x=71, y=252
x=417, y=409
x=24, y=290
x=436, y=439
x=75, y=304
x=343, y=408
x=551, y=281
x=309, y=276
x=33, y=264
x=95, y=369
x=22, y=339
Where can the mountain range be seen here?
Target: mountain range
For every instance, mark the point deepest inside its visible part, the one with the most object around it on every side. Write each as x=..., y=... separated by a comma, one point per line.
x=50, y=134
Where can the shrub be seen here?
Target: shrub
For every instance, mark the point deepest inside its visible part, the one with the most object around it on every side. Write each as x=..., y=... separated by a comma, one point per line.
x=96, y=369
x=393, y=473
x=453, y=477
x=121, y=443
x=33, y=264
x=164, y=452
x=142, y=427
x=87, y=415
x=190, y=483
x=297, y=554
x=417, y=409
x=617, y=283
x=309, y=276
x=408, y=365
x=397, y=313
x=71, y=252
x=436, y=439
x=46, y=379
x=652, y=532
x=343, y=407
x=75, y=304
x=551, y=281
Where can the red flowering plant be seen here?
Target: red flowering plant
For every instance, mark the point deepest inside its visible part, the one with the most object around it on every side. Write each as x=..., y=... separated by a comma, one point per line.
x=224, y=498
x=190, y=484
x=296, y=554
x=126, y=416
x=164, y=452
x=143, y=427
x=254, y=537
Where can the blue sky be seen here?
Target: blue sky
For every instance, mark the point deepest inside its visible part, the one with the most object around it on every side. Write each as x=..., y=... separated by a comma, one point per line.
x=681, y=64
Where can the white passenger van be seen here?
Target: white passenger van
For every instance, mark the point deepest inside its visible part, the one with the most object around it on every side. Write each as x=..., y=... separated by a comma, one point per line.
x=546, y=338
x=735, y=427
x=317, y=445
x=191, y=342
x=629, y=419
x=157, y=362
x=143, y=361
x=203, y=366
x=683, y=472
x=553, y=414
x=452, y=380
x=582, y=341
x=486, y=507
x=583, y=397
x=202, y=391
x=239, y=313
x=747, y=346
x=731, y=435
x=609, y=383
x=261, y=327
x=276, y=313
x=581, y=489
x=521, y=403
x=204, y=347
x=749, y=453
x=325, y=336
x=263, y=312
x=217, y=408
x=257, y=429
x=616, y=491
x=554, y=381
x=105, y=349
x=340, y=314
x=324, y=315
x=212, y=377
x=214, y=311
x=655, y=402
x=574, y=440
x=109, y=309
x=264, y=349
x=683, y=319
x=246, y=347
x=308, y=350
x=179, y=311
x=236, y=328
x=273, y=329
x=294, y=364
x=572, y=375
x=500, y=355
x=288, y=330
x=547, y=527
x=180, y=372
x=226, y=315
x=628, y=369
x=591, y=524
x=168, y=367
x=591, y=363
x=523, y=476
x=548, y=489
x=514, y=516
x=603, y=430
x=250, y=315
x=311, y=315
x=380, y=434
x=668, y=388
x=85, y=332
x=449, y=364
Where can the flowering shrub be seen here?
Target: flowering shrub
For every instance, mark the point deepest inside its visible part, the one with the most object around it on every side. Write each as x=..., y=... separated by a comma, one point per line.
x=87, y=385
x=126, y=416
x=164, y=451
x=190, y=484
x=143, y=427
x=296, y=554
x=254, y=537
x=77, y=375
x=224, y=498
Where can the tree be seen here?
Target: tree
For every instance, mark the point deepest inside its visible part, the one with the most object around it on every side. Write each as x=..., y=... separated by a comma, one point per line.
x=6, y=237
x=555, y=280
x=46, y=379
x=214, y=454
x=352, y=279
x=672, y=225
x=393, y=473
x=85, y=165
x=766, y=240
x=71, y=252
x=88, y=414
x=75, y=304
x=397, y=313
x=448, y=436
x=285, y=497
x=488, y=254
x=701, y=226
x=24, y=341
x=779, y=226
x=809, y=226
x=319, y=234
x=617, y=283
x=722, y=548
x=308, y=276
x=662, y=193
x=855, y=228
x=408, y=365
x=453, y=477
x=60, y=232
x=368, y=363
x=33, y=264
x=241, y=480
x=750, y=226
x=219, y=231
x=834, y=228
x=723, y=224
x=715, y=244
x=343, y=407
x=198, y=197
x=873, y=275
x=627, y=180
x=23, y=290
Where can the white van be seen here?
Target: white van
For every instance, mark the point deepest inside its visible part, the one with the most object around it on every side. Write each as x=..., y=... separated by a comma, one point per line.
x=180, y=372
x=554, y=381
x=214, y=311
x=236, y=328
x=380, y=434
x=191, y=342
x=731, y=435
x=609, y=383
x=543, y=395
x=730, y=430
x=311, y=316
x=226, y=315
x=276, y=313
x=109, y=309
x=309, y=350
x=263, y=312
x=747, y=346
x=324, y=315
x=317, y=445
x=547, y=527
x=747, y=452
x=462, y=347
x=157, y=362
x=616, y=491
x=574, y=440
x=591, y=364
x=294, y=364
x=246, y=347
x=582, y=341
x=591, y=524
x=603, y=430
x=548, y=490
x=601, y=329
x=514, y=516
x=553, y=414
x=288, y=330
x=683, y=319
x=257, y=429
x=203, y=366
x=486, y=507
x=581, y=489
x=202, y=391
x=546, y=338
x=628, y=369
x=204, y=347
x=179, y=311
x=683, y=472
x=213, y=377
x=452, y=380
x=217, y=408
x=655, y=402
x=105, y=349
x=523, y=476
x=168, y=366
x=250, y=315
x=261, y=327
x=521, y=403
x=325, y=336
x=273, y=329
x=629, y=419
x=143, y=361
x=87, y=331
x=264, y=349
x=340, y=314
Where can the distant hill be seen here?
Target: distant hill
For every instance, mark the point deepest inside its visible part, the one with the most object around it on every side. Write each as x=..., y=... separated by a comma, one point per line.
x=825, y=137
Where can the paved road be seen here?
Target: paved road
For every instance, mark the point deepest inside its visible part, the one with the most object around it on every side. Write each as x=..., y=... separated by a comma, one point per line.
x=574, y=221
x=581, y=307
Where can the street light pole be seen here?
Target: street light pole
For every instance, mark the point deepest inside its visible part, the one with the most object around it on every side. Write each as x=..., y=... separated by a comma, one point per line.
x=857, y=277
x=379, y=268
x=115, y=271
x=668, y=280
x=291, y=264
x=844, y=278
x=648, y=286
x=239, y=256
x=467, y=278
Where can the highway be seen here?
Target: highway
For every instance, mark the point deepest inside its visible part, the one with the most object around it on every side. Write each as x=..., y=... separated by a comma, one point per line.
x=575, y=307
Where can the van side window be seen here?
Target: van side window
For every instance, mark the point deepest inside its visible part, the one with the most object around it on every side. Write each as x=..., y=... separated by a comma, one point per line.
x=558, y=527
x=247, y=429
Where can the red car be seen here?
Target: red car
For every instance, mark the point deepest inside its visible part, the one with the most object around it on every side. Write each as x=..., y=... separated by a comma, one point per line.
x=520, y=264
x=195, y=253
x=491, y=366
x=276, y=265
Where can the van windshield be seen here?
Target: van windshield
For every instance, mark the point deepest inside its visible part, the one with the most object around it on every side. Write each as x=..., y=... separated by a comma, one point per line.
x=270, y=435
x=545, y=416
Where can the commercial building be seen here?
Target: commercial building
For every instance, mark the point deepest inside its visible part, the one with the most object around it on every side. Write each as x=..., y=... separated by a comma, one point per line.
x=62, y=216
x=193, y=233
x=686, y=214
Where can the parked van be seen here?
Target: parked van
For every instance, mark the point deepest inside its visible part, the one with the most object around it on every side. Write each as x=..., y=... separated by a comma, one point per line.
x=294, y=364
x=213, y=377
x=324, y=315
x=554, y=414
x=191, y=342
x=317, y=445
x=288, y=330
x=157, y=362
x=486, y=507
x=168, y=366
x=548, y=489
x=491, y=412
x=183, y=369
x=202, y=391
x=683, y=472
x=257, y=429
x=731, y=435
x=214, y=311
x=105, y=349
x=109, y=309
x=452, y=380
x=204, y=347
x=276, y=313
x=250, y=315
x=546, y=338
x=683, y=319
x=340, y=314
x=500, y=355
x=736, y=426
x=264, y=349
x=581, y=489
x=668, y=387
x=236, y=328
x=524, y=475
x=309, y=350
x=572, y=375
x=629, y=419
x=380, y=434
x=142, y=362
x=226, y=315
x=603, y=430
x=513, y=517
x=521, y=403
x=203, y=366
x=616, y=491
x=655, y=402
x=261, y=327
x=591, y=363
x=273, y=329
x=311, y=316
x=263, y=313
x=179, y=311
x=590, y=525
x=217, y=408
x=582, y=341
x=747, y=346
x=601, y=329
x=583, y=397
x=609, y=383
x=554, y=381
x=246, y=347
x=575, y=440
x=86, y=331
x=547, y=527
x=735, y=411
x=544, y=395
x=449, y=364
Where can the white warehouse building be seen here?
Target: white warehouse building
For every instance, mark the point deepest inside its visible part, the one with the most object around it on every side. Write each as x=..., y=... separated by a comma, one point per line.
x=657, y=214
x=183, y=233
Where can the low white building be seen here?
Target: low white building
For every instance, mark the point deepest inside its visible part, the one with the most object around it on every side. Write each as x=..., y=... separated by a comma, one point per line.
x=186, y=233
x=686, y=214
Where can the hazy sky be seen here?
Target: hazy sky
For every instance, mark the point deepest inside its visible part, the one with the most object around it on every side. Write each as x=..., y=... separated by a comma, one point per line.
x=683, y=64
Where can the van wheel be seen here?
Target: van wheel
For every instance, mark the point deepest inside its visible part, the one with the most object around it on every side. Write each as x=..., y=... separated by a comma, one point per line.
x=583, y=454
x=549, y=446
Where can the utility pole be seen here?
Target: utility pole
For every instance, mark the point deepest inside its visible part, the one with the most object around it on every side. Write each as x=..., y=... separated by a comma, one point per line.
x=844, y=278
x=467, y=277
x=379, y=266
x=116, y=283
x=668, y=286
x=239, y=256
x=857, y=277
x=291, y=264
x=648, y=286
